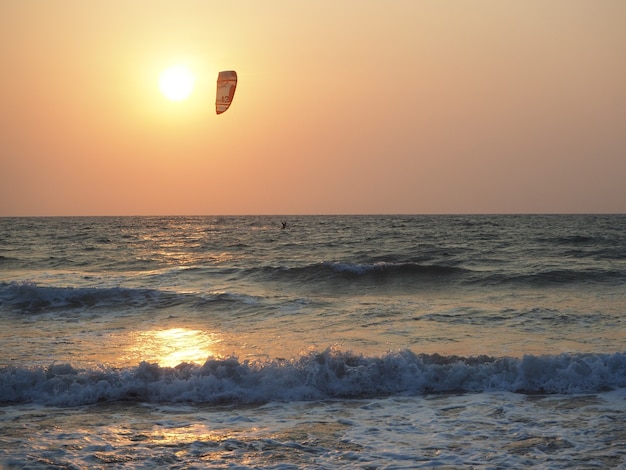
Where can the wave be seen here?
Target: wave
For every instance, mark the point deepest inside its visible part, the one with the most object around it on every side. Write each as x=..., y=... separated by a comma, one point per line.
x=28, y=297
x=314, y=376
x=436, y=274
x=326, y=271
x=556, y=277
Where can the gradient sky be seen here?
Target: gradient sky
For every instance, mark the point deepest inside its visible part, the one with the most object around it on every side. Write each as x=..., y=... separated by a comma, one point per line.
x=343, y=106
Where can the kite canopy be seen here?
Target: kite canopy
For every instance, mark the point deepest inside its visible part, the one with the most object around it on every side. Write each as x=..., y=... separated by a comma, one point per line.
x=226, y=85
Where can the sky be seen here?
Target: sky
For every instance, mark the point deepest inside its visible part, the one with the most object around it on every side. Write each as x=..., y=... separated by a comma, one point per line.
x=342, y=107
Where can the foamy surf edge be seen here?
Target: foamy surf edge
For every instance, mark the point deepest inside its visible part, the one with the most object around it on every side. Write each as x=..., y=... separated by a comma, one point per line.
x=314, y=376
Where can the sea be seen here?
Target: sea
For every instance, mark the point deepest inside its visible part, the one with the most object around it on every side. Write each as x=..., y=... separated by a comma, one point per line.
x=322, y=342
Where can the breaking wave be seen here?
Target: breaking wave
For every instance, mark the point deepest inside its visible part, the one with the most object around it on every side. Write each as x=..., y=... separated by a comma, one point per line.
x=436, y=274
x=314, y=376
x=28, y=297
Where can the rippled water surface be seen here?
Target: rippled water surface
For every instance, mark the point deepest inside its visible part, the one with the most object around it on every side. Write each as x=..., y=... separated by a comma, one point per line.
x=356, y=341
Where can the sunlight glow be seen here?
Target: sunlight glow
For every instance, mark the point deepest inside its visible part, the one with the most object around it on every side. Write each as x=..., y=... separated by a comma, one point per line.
x=176, y=83
x=174, y=346
x=186, y=435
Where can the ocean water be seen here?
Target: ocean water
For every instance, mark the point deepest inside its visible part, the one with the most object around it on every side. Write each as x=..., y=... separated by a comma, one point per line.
x=338, y=342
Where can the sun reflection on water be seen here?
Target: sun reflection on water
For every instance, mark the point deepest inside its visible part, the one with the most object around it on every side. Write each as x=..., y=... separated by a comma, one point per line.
x=174, y=346
x=187, y=435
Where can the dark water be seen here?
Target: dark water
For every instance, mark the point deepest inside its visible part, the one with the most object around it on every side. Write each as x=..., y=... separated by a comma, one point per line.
x=357, y=341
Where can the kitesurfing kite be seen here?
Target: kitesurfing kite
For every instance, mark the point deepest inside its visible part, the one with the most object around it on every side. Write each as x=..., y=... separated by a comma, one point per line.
x=226, y=84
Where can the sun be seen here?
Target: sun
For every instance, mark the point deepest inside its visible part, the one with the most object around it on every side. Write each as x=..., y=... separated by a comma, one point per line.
x=176, y=82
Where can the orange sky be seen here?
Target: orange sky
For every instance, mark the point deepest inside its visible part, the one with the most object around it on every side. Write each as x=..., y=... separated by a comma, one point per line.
x=352, y=106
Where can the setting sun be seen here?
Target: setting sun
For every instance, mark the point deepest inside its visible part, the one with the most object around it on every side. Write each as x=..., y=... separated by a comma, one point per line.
x=176, y=83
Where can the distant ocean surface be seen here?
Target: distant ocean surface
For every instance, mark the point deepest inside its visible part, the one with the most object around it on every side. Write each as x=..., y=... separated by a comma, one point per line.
x=337, y=342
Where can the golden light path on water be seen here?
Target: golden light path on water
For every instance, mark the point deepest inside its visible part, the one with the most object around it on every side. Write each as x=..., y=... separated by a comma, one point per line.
x=173, y=346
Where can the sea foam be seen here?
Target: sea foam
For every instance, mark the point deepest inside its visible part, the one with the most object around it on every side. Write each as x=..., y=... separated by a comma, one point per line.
x=314, y=376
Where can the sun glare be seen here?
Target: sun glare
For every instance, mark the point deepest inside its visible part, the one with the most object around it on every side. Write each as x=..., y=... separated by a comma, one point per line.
x=176, y=83
x=174, y=346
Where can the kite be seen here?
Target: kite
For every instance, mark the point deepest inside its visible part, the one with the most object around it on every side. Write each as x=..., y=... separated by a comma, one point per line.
x=226, y=85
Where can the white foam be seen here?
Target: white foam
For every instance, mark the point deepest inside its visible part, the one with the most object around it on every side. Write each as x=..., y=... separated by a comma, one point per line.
x=329, y=374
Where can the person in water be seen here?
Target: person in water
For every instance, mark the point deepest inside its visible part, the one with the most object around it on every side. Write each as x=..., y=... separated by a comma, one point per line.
x=284, y=226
